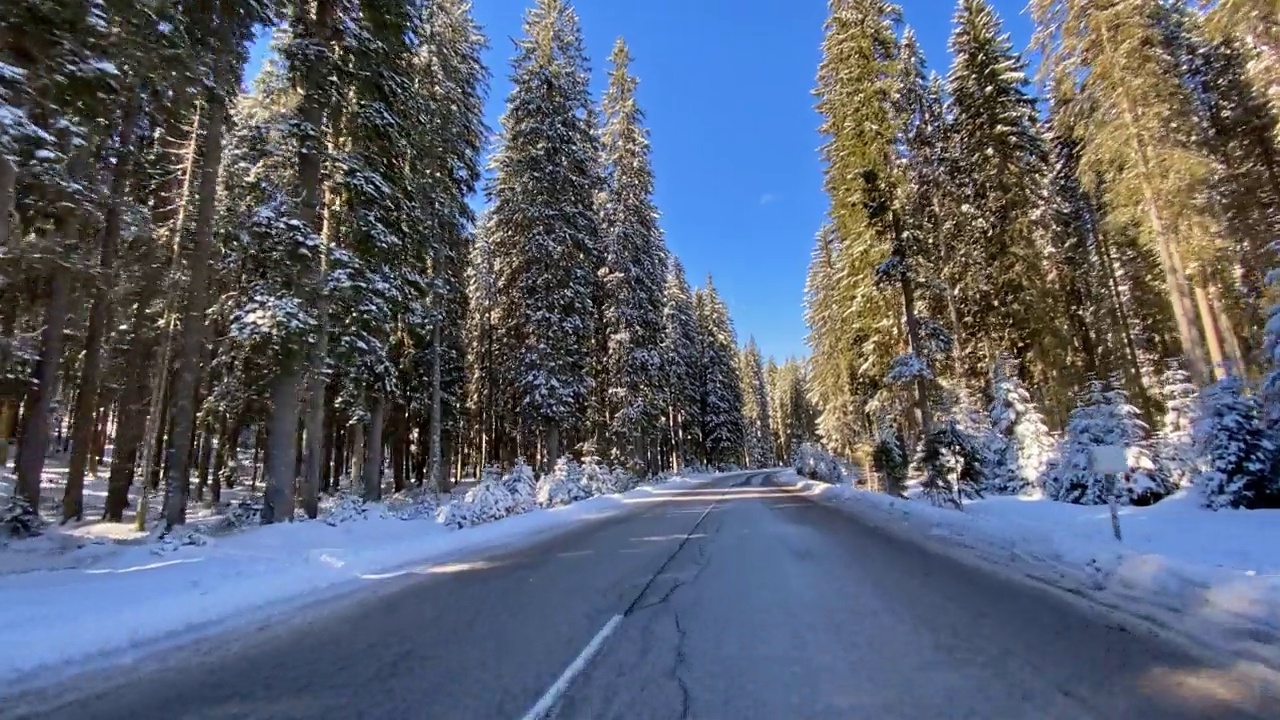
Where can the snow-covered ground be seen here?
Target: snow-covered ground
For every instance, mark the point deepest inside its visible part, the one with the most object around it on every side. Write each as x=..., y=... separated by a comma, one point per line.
x=117, y=601
x=1210, y=577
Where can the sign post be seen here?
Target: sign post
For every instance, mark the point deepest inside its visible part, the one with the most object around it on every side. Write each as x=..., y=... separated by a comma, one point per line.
x=1110, y=461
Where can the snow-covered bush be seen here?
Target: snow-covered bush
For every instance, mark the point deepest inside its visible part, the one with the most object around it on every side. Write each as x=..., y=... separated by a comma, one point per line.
x=949, y=467
x=243, y=514
x=493, y=498
x=1019, y=443
x=816, y=463
x=520, y=484
x=1104, y=417
x=456, y=515
x=489, y=501
x=412, y=504
x=563, y=485
x=1237, y=454
x=346, y=508
x=179, y=537
x=1174, y=446
x=18, y=519
x=599, y=479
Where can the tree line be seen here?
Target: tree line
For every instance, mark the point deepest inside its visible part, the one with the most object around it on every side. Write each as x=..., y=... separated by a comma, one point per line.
x=1088, y=252
x=188, y=268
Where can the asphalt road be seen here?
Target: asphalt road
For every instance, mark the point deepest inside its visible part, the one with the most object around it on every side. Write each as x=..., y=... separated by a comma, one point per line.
x=734, y=601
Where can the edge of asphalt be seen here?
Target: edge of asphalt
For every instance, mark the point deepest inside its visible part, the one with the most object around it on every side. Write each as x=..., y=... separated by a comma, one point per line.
x=1053, y=581
x=62, y=683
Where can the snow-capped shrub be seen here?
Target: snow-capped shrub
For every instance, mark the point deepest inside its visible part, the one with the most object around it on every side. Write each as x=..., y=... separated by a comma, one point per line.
x=817, y=463
x=1237, y=454
x=412, y=504
x=1104, y=417
x=949, y=466
x=1174, y=446
x=346, y=508
x=1019, y=442
x=599, y=479
x=456, y=515
x=243, y=514
x=489, y=501
x=563, y=485
x=521, y=485
x=180, y=537
x=18, y=519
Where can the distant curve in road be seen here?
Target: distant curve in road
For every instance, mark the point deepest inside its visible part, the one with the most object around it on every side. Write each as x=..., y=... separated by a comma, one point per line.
x=734, y=601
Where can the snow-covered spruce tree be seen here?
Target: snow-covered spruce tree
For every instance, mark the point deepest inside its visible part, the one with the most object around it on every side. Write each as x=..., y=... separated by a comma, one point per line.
x=759, y=442
x=1237, y=452
x=544, y=227
x=1174, y=444
x=486, y=373
x=949, y=465
x=890, y=460
x=563, y=485
x=681, y=351
x=995, y=173
x=1104, y=417
x=722, y=428
x=1021, y=442
x=635, y=269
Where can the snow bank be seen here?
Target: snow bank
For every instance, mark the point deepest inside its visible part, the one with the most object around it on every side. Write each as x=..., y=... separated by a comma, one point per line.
x=1211, y=577
x=137, y=600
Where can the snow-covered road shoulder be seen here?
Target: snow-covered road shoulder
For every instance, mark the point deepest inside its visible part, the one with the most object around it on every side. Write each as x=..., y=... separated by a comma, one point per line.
x=1212, y=578
x=135, y=601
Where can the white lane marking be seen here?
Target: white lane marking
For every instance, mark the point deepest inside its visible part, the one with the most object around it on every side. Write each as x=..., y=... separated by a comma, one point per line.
x=579, y=663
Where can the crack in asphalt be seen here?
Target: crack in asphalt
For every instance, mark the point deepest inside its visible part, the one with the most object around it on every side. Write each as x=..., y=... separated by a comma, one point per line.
x=675, y=668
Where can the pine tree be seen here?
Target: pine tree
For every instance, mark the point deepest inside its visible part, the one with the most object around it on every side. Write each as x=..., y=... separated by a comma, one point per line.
x=635, y=267
x=1104, y=417
x=850, y=344
x=1238, y=455
x=1022, y=443
x=681, y=352
x=1174, y=444
x=544, y=226
x=1139, y=128
x=722, y=427
x=996, y=172
x=755, y=410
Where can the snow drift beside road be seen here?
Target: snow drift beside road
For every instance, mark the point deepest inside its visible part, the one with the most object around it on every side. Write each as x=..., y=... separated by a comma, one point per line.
x=135, y=599
x=1212, y=577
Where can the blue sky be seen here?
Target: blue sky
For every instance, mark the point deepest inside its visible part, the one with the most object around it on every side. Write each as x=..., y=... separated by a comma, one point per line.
x=726, y=87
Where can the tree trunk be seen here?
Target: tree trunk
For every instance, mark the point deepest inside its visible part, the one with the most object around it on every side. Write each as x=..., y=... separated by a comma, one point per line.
x=282, y=438
x=434, y=450
x=1175, y=278
x=913, y=347
x=1212, y=337
x=35, y=421
x=1231, y=340
x=318, y=383
x=373, y=453
x=8, y=418
x=398, y=442
x=178, y=478
x=8, y=180
x=161, y=215
x=283, y=421
x=553, y=447
x=84, y=415
x=355, y=458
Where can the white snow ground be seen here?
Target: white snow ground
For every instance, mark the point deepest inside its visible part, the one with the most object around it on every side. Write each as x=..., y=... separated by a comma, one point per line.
x=1210, y=577
x=118, y=602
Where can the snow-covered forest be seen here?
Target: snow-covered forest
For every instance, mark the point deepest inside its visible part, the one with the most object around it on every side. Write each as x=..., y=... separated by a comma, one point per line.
x=202, y=284
x=1020, y=265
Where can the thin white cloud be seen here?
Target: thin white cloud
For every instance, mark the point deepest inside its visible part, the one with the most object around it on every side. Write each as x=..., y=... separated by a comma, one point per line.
x=767, y=198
